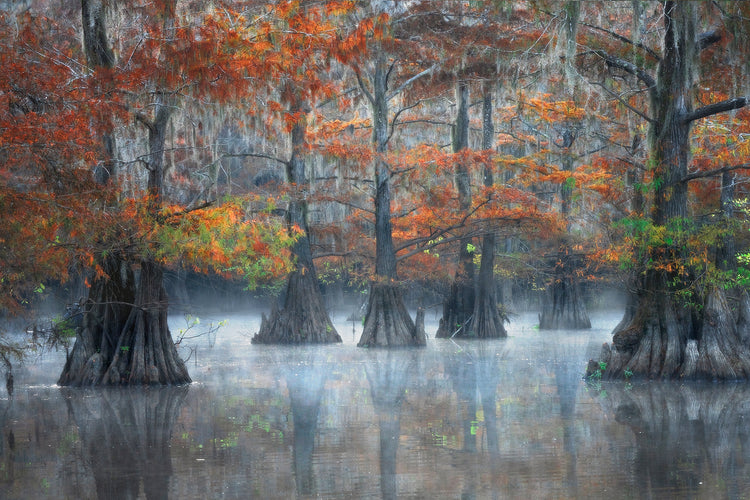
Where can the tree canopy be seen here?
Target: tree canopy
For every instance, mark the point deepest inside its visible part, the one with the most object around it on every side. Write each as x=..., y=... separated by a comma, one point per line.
x=391, y=143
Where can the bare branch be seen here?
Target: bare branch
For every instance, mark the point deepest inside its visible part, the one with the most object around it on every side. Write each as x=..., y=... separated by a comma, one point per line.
x=363, y=87
x=714, y=172
x=397, y=114
x=411, y=80
x=621, y=38
x=624, y=102
x=631, y=68
x=255, y=155
x=715, y=108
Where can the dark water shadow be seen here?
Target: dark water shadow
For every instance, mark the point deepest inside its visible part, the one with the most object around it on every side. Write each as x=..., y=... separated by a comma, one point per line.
x=125, y=435
x=690, y=439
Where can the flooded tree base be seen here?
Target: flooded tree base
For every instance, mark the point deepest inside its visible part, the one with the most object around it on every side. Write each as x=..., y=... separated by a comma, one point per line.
x=302, y=320
x=563, y=307
x=487, y=321
x=388, y=323
x=661, y=338
x=458, y=310
x=124, y=344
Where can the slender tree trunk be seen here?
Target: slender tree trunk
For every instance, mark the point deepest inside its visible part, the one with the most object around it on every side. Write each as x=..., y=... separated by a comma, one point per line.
x=458, y=307
x=302, y=318
x=487, y=321
x=387, y=322
x=563, y=306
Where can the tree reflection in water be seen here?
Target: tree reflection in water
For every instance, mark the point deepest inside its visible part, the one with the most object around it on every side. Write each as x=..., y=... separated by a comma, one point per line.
x=690, y=438
x=475, y=367
x=389, y=372
x=305, y=379
x=125, y=434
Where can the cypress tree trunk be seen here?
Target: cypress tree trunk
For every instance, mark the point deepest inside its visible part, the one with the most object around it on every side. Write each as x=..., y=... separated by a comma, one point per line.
x=105, y=313
x=563, y=307
x=487, y=321
x=145, y=352
x=562, y=302
x=663, y=335
x=387, y=322
x=99, y=55
x=458, y=308
x=302, y=318
x=140, y=350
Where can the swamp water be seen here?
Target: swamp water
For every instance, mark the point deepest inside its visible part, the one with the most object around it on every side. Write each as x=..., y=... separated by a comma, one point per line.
x=508, y=418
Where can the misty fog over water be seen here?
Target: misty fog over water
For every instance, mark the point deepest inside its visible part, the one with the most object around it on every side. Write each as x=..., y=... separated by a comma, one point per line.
x=509, y=418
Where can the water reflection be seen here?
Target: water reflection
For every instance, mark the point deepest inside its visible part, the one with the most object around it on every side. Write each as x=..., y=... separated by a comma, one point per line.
x=305, y=379
x=568, y=382
x=389, y=373
x=126, y=435
x=508, y=418
x=474, y=372
x=691, y=440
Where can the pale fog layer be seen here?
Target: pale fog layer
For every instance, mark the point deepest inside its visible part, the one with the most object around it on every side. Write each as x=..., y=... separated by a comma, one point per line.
x=509, y=418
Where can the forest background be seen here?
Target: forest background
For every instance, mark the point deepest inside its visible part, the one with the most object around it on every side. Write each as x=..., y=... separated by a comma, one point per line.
x=484, y=153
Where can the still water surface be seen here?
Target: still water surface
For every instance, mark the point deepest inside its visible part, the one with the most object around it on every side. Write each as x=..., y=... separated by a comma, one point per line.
x=508, y=418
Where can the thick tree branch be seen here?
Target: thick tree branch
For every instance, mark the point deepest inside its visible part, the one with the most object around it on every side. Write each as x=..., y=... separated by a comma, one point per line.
x=708, y=38
x=715, y=108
